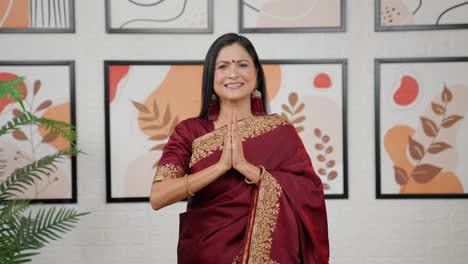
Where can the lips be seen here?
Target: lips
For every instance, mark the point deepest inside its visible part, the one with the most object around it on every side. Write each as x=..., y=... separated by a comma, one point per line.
x=235, y=85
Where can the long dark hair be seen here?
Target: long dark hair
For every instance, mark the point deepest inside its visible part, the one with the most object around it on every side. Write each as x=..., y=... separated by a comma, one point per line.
x=209, y=68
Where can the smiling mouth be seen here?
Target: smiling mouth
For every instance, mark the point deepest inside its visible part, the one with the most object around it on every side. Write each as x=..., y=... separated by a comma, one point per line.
x=233, y=85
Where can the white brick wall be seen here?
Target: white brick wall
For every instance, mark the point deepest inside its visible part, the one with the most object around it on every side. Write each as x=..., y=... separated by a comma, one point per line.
x=362, y=229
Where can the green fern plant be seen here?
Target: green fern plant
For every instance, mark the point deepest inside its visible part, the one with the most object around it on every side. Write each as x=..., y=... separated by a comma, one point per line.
x=23, y=233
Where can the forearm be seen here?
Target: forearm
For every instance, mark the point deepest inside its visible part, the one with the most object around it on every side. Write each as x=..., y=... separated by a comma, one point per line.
x=169, y=191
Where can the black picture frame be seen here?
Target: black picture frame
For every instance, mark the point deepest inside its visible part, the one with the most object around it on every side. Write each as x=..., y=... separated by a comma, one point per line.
x=378, y=27
x=243, y=29
x=111, y=198
x=58, y=7
x=162, y=30
x=378, y=62
x=71, y=68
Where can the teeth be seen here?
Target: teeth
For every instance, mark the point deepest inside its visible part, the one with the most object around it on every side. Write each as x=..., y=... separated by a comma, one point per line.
x=233, y=85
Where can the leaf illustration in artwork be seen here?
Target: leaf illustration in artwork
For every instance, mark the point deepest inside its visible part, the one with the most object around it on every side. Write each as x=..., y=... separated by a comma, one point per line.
x=141, y=107
x=37, y=87
x=425, y=173
x=438, y=109
x=329, y=150
x=292, y=99
x=332, y=175
x=319, y=146
x=446, y=95
x=158, y=147
x=153, y=127
x=49, y=138
x=298, y=120
x=322, y=171
x=43, y=105
x=321, y=158
x=400, y=175
x=158, y=137
x=287, y=109
x=330, y=163
x=19, y=135
x=317, y=132
x=451, y=120
x=325, y=139
x=299, y=108
x=325, y=186
x=299, y=129
x=17, y=112
x=167, y=115
x=429, y=127
x=155, y=110
x=438, y=147
x=146, y=119
x=416, y=149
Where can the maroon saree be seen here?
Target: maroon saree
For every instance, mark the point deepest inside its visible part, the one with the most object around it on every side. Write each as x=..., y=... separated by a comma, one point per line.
x=280, y=220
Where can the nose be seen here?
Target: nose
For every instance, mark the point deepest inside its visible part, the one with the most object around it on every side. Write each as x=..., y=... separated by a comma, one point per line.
x=232, y=74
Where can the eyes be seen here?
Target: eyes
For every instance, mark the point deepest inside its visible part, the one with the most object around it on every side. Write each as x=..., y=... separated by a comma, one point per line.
x=225, y=66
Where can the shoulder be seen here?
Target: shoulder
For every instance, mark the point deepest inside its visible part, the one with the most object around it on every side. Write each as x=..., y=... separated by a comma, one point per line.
x=283, y=126
x=192, y=127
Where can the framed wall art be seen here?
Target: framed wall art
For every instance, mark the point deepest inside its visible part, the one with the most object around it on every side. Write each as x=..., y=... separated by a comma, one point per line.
x=50, y=93
x=163, y=17
x=37, y=16
x=421, y=129
x=146, y=99
x=266, y=16
x=396, y=15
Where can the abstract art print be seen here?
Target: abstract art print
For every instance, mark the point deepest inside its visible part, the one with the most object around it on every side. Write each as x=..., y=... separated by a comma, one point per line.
x=49, y=93
x=146, y=99
x=394, y=15
x=37, y=16
x=268, y=16
x=160, y=16
x=421, y=127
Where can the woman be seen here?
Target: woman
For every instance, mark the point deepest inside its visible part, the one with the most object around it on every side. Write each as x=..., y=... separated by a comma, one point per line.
x=253, y=194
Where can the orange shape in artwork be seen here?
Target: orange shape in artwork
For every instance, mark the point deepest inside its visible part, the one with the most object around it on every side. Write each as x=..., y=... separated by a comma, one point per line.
x=5, y=76
x=407, y=92
x=18, y=15
x=116, y=73
x=322, y=80
x=59, y=112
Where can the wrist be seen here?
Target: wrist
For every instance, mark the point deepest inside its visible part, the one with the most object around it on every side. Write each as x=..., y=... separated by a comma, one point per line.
x=221, y=168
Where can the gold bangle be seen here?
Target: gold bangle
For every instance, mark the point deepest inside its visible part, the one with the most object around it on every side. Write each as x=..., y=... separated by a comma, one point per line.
x=262, y=172
x=187, y=186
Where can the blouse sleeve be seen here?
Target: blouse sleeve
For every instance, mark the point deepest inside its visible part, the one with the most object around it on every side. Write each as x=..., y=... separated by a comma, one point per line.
x=176, y=155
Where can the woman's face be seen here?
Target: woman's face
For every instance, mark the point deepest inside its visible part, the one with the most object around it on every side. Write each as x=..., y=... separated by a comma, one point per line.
x=235, y=74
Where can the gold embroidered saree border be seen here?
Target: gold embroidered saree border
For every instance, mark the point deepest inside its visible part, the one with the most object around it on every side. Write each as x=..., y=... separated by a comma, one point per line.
x=252, y=127
x=168, y=171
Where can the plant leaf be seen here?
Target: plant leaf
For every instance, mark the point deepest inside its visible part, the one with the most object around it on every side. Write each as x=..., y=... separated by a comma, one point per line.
x=292, y=99
x=146, y=119
x=438, y=109
x=299, y=129
x=429, y=127
x=299, y=108
x=286, y=108
x=43, y=105
x=329, y=150
x=155, y=110
x=140, y=107
x=158, y=137
x=19, y=135
x=401, y=176
x=17, y=112
x=152, y=127
x=416, y=149
x=330, y=163
x=319, y=146
x=451, y=120
x=167, y=115
x=425, y=173
x=326, y=186
x=325, y=139
x=438, y=147
x=321, y=157
x=322, y=171
x=332, y=175
x=446, y=95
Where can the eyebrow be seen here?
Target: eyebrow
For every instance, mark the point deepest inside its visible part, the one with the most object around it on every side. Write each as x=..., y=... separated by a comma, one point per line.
x=230, y=61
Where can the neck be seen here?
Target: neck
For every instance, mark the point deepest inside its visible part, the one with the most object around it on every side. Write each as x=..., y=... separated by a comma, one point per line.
x=241, y=109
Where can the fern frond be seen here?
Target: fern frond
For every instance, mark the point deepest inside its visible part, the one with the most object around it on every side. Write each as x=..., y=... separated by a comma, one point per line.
x=11, y=90
x=12, y=209
x=23, y=177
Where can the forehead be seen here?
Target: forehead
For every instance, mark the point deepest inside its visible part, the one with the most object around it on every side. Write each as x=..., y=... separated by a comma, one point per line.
x=233, y=52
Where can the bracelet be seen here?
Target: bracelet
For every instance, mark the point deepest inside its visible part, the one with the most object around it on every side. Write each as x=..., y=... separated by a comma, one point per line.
x=262, y=172
x=187, y=186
